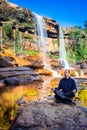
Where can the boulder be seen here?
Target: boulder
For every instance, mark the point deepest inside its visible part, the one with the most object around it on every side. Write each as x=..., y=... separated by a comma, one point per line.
x=50, y=116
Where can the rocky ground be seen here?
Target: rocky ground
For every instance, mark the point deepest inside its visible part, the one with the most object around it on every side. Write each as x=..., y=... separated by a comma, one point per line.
x=42, y=115
x=50, y=116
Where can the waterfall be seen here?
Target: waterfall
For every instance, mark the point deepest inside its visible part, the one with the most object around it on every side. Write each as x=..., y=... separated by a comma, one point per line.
x=21, y=44
x=41, y=34
x=41, y=42
x=62, y=50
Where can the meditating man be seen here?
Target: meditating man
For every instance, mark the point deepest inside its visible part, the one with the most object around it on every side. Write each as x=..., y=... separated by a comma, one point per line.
x=66, y=89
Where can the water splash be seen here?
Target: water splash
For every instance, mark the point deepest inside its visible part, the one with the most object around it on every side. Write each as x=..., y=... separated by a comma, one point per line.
x=79, y=74
x=76, y=74
x=55, y=73
x=43, y=92
x=82, y=74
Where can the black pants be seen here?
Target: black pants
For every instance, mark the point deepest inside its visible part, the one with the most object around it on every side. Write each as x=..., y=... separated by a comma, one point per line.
x=62, y=96
x=69, y=95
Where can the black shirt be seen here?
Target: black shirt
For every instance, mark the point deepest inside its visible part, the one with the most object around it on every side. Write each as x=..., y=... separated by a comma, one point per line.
x=67, y=85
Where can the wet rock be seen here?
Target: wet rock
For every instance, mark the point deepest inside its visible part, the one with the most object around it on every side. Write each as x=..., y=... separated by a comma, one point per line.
x=11, y=81
x=36, y=66
x=83, y=65
x=50, y=116
x=55, y=64
x=8, y=72
x=44, y=71
x=4, y=62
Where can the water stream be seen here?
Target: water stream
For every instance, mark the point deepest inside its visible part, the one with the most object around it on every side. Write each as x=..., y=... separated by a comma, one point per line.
x=1, y=37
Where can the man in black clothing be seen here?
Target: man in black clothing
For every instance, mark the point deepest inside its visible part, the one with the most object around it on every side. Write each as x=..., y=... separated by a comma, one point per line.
x=66, y=88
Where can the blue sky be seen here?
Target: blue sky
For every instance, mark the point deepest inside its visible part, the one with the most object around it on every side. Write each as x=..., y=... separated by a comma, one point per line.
x=65, y=12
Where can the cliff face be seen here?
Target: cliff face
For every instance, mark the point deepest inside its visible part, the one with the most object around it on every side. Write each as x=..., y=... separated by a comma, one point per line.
x=52, y=27
x=14, y=14
x=23, y=18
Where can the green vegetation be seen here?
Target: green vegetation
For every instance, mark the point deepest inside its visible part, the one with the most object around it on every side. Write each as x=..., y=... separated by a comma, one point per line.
x=23, y=18
x=7, y=30
x=71, y=56
x=6, y=115
x=27, y=36
x=32, y=53
x=53, y=56
x=28, y=25
x=16, y=36
x=8, y=111
x=77, y=49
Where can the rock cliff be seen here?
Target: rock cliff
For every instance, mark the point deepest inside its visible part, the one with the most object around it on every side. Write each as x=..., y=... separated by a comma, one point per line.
x=23, y=19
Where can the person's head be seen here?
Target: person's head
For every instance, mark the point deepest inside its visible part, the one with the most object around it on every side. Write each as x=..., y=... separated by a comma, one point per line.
x=67, y=73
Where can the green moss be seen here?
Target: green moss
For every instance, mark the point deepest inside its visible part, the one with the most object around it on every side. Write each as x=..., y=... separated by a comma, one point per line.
x=7, y=115
x=82, y=95
x=32, y=93
x=32, y=53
